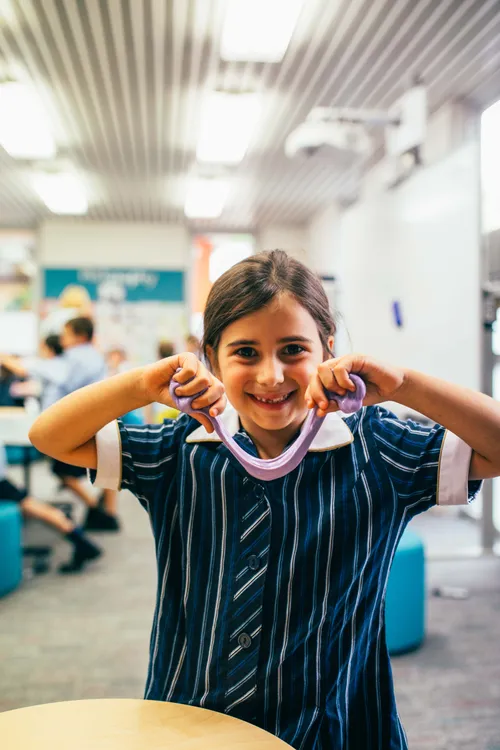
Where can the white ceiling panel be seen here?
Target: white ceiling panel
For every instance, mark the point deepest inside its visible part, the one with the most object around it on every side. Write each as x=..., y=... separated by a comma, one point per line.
x=123, y=82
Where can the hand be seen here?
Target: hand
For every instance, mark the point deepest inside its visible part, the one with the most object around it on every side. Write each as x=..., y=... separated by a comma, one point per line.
x=156, y=380
x=382, y=381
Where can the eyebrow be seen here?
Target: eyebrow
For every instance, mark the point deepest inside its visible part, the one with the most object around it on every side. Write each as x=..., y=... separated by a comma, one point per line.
x=254, y=342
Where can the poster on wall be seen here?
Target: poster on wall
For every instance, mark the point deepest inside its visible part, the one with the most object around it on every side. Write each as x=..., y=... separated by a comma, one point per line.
x=133, y=308
x=18, y=323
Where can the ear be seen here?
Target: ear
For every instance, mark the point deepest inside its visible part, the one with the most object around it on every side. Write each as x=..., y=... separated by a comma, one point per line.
x=212, y=359
x=331, y=344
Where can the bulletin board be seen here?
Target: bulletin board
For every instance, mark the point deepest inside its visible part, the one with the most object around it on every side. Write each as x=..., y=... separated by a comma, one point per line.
x=133, y=308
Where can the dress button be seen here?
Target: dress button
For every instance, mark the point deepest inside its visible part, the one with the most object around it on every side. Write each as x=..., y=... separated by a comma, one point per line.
x=244, y=640
x=253, y=562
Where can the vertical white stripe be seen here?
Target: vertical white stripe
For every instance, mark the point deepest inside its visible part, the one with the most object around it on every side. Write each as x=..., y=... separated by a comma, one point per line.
x=331, y=543
x=342, y=717
x=187, y=572
x=279, y=578
x=366, y=456
x=393, y=518
x=173, y=645
x=345, y=620
x=286, y=629
x=360, y=588
x=382, y=609
x=311, y=618
x=207, y=604
x=222, y=572
x=156, y=624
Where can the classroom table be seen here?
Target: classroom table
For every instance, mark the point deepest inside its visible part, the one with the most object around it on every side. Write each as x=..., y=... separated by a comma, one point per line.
x=15, y=423
x=123, y=724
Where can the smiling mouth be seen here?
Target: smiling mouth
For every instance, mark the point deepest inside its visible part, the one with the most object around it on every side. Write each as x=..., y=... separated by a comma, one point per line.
x=276, y=401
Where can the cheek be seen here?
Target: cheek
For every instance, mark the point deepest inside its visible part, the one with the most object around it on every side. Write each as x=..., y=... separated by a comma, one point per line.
x=304, y=371
x=232, y=376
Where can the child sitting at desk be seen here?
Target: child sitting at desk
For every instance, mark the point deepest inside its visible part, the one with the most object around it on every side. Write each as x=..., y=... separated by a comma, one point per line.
x=83, y=549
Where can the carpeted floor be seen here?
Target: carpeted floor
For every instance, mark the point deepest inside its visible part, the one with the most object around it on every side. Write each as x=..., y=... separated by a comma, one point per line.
x=87, y=637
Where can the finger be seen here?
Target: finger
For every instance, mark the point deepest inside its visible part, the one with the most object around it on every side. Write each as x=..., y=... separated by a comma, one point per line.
x=332, y=407
x=204, y=420
x=189, y=365
x=218, y=407
x=317, y=392
x=327, y=373
x=211, y=396
x=341, y=373
x=199, y=383
x=308, y=398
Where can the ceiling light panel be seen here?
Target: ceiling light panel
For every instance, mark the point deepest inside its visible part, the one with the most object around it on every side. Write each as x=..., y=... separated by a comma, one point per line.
x=259, y=30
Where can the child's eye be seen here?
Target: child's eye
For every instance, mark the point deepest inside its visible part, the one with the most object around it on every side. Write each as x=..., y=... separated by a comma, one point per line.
x=246, y=352
x=293, y=349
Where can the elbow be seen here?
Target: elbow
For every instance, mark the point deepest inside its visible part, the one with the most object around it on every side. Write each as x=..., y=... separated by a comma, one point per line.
x=33, y=437
x=37, y=436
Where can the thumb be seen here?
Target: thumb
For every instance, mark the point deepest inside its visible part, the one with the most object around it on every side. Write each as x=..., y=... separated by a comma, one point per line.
x=204, y=421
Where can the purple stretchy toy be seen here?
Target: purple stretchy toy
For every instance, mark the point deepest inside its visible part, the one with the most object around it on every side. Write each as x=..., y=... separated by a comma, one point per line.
x=274, y=468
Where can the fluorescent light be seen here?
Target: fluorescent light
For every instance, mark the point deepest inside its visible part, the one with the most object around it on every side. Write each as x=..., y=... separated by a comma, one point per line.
x=259, y=30
x=228, y=122
x=205, y=198
x=62, y=192
x=24, y=126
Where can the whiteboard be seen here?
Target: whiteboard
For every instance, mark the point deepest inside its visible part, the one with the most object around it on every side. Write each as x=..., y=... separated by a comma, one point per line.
x=18, y=332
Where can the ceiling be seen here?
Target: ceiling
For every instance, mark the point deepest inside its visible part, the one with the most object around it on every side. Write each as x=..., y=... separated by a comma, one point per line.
x=123, y=80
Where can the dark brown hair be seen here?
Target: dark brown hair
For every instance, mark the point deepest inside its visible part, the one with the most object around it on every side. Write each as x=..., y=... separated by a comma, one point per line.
x=82, y=327
x=165, y=349
x=53, y=343
x=255, y=282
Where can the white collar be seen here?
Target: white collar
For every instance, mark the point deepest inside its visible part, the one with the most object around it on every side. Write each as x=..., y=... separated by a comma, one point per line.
x=333, y=433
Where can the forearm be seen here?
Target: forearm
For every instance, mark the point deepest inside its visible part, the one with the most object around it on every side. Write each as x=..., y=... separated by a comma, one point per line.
x=472, y=416
x=14, y=365
x=75, y=419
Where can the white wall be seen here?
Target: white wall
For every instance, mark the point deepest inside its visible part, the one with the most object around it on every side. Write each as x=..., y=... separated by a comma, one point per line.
x=112, y=244
x=323, y=241
x=284, y=237
x=418, y=244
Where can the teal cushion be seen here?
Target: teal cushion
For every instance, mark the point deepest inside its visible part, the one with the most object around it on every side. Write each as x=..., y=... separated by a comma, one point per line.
x=133, y=417
x=15, y=454
x=405, y=598
x=11, y=559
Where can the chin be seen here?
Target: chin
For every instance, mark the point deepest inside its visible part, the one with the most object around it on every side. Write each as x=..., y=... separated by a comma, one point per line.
x=278, y=421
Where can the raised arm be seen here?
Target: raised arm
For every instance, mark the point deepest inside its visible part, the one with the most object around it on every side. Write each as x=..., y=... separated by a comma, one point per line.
x=67, y=429
x=472, y=416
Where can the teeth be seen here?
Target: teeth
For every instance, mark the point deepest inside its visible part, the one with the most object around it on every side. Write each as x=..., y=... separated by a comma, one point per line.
x=273, y=400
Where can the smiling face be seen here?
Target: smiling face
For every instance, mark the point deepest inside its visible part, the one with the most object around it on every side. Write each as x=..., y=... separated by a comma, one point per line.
x=266, y=361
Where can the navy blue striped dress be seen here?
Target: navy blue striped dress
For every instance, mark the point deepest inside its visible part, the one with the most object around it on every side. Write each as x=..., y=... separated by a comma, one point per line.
x=270, y=600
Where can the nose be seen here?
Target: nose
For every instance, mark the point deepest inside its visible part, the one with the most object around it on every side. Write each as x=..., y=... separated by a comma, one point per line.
x=270, y=373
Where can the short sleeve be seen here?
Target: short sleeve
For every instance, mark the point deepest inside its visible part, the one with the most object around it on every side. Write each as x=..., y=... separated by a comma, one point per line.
x=53, y=370
x=139, y=458
x=426, y=464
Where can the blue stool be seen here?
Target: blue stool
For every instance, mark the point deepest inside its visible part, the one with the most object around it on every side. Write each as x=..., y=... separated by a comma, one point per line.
x=405, y=598
x=133, y=417
x=11, y=556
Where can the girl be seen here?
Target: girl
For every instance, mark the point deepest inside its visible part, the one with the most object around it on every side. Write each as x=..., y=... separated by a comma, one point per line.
x=270, y=603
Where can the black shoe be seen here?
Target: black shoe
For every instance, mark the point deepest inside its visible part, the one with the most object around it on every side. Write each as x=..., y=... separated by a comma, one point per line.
x=99, y=520
x=83, y=554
